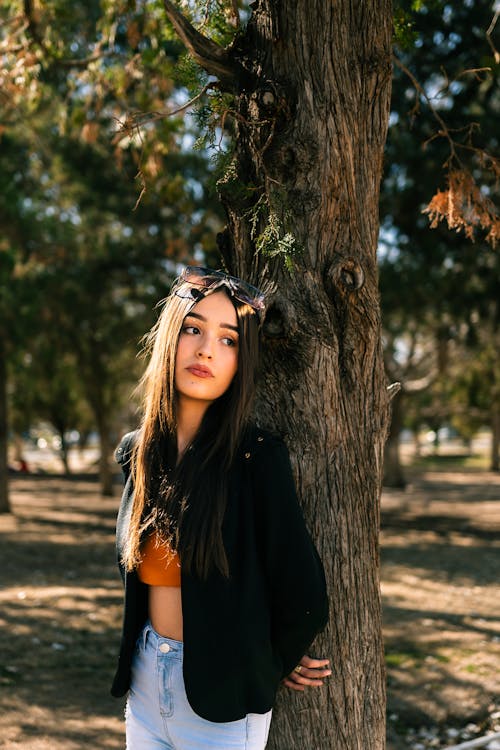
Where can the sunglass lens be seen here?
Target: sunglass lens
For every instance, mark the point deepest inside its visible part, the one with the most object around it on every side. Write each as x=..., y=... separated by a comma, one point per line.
x=207, y=278
x=197, y=294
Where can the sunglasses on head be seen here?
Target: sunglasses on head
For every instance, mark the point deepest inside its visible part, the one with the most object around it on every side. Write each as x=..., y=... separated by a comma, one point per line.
x=206, y=279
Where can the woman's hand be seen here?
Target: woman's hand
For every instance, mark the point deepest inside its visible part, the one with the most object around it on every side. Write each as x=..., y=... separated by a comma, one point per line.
x=308, y=672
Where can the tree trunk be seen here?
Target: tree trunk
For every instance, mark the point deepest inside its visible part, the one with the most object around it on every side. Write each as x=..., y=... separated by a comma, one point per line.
x=95, y=385
x=4, y=434
x=310, y=137
x=61, y=428
x=417, y=445
x=312, y=91
x=105, y=472
x=64, y=452
x=393, y=471
x=495, y=439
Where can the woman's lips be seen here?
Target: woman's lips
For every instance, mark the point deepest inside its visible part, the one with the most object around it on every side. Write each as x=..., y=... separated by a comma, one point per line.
x=200, y=371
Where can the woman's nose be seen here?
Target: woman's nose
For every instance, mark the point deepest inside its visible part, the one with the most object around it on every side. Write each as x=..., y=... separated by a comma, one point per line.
x=205, y=349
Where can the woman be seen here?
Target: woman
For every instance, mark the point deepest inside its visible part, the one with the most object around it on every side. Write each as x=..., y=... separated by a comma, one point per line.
x=224, y=590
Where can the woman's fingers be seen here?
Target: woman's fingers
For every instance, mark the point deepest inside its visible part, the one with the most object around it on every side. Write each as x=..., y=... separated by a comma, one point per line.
x=308, y=673
x=292, y=685
x=308, y=661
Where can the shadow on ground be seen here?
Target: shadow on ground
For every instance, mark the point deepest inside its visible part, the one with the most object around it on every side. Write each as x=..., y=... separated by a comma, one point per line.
x=441, y=600
x=60, y=612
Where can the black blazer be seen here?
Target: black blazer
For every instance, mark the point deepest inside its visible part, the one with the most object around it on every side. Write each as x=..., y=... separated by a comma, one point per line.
x=242, y=635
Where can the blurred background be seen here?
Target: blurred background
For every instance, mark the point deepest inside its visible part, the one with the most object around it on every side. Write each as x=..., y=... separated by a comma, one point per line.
x=103, y=198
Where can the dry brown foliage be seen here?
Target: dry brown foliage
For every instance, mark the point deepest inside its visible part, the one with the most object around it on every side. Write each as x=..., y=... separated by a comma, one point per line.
x=465, y=207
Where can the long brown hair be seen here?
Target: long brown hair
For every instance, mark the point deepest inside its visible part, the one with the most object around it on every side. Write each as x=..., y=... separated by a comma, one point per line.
x=186, y=503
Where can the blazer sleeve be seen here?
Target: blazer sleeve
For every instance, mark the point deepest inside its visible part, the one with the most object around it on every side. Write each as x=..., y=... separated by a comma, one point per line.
x=123, y=455
x=293, y=569
x=123, y=452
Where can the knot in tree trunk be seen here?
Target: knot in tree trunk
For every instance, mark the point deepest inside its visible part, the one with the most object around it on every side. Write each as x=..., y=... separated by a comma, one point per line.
x=345, y=275
x=280, y=321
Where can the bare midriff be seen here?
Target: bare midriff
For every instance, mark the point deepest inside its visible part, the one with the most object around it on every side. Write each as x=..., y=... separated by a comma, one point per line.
x=160, y=569
x=165, y=611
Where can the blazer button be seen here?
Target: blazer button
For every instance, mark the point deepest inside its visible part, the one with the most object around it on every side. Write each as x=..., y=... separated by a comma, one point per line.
x=247, y=455
x=164, y=648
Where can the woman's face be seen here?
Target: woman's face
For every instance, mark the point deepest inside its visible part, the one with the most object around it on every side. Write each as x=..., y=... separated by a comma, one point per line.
x=207, y=350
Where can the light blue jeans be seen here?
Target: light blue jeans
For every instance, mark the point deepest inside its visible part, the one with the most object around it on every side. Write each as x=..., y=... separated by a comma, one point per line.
x=158, y=715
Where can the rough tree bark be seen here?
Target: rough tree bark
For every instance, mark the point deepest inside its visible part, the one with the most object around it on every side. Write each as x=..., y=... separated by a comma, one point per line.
x=311, y=82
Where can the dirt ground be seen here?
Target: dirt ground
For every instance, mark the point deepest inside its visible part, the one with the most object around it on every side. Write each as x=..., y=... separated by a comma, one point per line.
x=60, y=611
x=441, y=597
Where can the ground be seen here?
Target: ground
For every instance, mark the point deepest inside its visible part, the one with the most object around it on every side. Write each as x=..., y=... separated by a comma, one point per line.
x=441, y=602
x=60, y=611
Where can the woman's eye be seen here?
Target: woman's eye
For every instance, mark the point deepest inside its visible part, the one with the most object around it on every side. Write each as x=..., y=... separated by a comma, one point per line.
x=192, y=330
x=228, y=341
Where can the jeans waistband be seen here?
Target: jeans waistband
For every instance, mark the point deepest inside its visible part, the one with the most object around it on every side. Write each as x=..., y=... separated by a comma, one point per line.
x=156, y=640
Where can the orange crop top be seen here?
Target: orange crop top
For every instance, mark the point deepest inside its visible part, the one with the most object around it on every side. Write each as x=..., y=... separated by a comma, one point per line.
x=160, y=566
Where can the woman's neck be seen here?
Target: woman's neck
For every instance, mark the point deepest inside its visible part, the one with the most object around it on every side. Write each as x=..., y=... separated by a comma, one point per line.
x=189, y=416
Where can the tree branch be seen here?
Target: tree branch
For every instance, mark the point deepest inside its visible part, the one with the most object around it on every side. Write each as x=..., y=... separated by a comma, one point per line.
x=138, y=119
x=496, y=53
x=83, y=62
x=393, y=389
x=208, y=54
x=444, y=131
x=463, y=204
x=33, y=27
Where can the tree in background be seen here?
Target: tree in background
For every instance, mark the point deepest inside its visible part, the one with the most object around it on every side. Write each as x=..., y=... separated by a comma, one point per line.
x=72, y=174
x=449, y=66
x=411, y=359
x=444, y=112
x=473, y=390
x=45, y=387
x=18, y=296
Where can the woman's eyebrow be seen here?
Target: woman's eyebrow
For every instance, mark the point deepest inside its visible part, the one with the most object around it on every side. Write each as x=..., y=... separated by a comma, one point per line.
x=204, y=320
